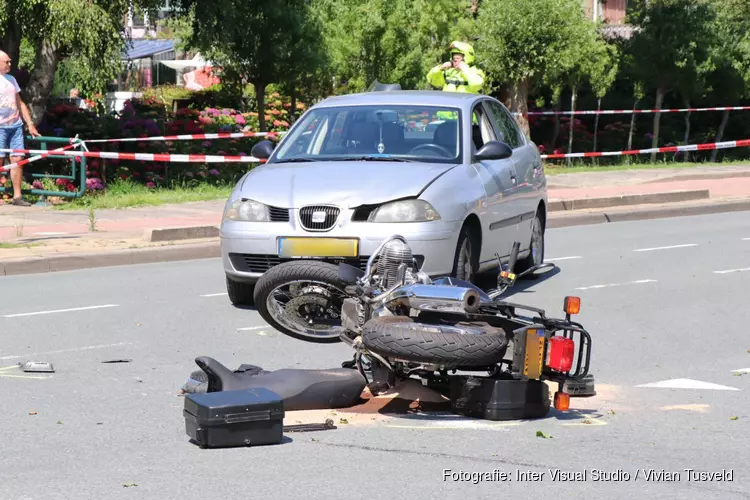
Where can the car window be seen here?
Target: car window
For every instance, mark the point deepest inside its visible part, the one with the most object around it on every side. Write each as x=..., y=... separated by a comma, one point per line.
x=511, y=132
x=411, y=133
x=481, y=128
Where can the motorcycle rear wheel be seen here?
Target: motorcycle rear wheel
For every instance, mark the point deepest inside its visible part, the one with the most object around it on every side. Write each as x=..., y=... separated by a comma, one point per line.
x=451, y=345
x=322, y=290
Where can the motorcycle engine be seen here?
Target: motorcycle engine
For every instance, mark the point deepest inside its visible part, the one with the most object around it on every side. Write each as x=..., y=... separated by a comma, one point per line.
x=393, y=254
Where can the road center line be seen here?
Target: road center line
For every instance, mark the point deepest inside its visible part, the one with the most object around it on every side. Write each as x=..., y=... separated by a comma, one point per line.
x=666, y=248
x=74, y=349
x=610, y=285
x=564, y=258
x=60, y=311
x=215, y=294
x=733, y=270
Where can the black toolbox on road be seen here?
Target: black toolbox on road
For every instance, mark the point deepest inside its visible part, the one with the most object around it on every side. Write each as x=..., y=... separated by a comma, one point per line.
x=248, y=417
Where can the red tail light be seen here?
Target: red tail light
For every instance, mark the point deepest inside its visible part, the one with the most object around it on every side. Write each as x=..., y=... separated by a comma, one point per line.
x=560, y=351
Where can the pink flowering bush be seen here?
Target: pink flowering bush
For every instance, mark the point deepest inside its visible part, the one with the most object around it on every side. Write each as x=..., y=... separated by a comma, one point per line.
x=142, y=118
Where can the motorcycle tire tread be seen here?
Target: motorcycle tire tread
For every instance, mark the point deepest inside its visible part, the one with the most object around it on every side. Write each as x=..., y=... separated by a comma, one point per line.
x=290, y=271
x=391, y=337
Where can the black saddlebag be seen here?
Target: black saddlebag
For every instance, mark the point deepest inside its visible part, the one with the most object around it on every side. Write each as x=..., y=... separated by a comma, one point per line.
x=245, y=417
x=498, y=399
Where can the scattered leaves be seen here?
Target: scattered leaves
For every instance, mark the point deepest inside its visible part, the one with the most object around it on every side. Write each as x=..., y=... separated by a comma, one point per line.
x=32, y=413
x=314, y=440
x=129, y=485
x=611, y=412
x=734, y=417
x=587, y=421
x=541, y=434
x=59, y=422
x=343, y=421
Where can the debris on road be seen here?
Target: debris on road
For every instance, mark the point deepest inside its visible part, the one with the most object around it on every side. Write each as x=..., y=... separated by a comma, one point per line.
x=118, y=361
x=37, y=367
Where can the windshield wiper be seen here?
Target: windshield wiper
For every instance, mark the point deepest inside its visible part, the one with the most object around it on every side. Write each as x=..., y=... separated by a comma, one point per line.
x=296, y=160
x=374, y=158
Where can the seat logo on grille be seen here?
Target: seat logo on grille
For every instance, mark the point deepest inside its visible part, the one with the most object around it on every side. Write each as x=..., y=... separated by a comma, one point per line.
x=319, y=217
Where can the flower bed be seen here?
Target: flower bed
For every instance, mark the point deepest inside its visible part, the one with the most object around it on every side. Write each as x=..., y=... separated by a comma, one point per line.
x=147, y=118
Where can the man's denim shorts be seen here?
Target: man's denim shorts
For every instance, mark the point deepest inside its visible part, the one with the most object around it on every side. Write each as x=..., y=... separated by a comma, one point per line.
x=11, y=138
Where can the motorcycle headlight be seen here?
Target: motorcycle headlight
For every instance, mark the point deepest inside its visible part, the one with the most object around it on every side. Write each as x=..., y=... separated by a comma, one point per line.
x=248, y=211
x=405, y=211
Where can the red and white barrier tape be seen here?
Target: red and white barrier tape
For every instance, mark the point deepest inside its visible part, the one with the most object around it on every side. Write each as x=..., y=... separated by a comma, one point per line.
x=633, y=111
x=190, y=137
x=17, y=164
x=668, y=149
x=156, y=157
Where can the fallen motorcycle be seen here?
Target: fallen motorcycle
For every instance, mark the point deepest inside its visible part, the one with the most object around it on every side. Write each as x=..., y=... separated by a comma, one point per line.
x=401, y=323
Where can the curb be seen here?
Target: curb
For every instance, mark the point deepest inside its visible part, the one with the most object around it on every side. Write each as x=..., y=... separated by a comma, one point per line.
x=561, y=219
x=180, y=233
x=628, y=199
x=70, y=262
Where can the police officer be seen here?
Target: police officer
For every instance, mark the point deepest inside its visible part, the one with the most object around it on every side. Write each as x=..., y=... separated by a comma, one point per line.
x=460, y=74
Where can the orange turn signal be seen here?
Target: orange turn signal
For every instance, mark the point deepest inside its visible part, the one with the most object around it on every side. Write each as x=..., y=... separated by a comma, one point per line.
x=562, y=401
x=572, y=305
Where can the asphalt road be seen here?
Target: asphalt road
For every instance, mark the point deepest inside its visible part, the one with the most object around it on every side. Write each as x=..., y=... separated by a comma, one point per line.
x=665, y=300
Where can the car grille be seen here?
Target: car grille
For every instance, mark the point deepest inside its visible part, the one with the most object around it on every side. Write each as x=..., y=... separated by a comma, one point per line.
x=246, y=263
x=306, y=217
x=249, y=263
x=278, y=214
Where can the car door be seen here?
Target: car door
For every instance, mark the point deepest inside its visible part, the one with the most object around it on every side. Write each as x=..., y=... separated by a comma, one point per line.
x=499, y=216
x=527, y=165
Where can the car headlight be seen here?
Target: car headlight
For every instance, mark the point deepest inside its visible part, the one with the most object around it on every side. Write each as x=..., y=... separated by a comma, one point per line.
x=405, y=211
x=248, y=211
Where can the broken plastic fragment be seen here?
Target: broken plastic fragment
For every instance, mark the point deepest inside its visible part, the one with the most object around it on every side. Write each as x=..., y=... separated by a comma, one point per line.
x=37, y=367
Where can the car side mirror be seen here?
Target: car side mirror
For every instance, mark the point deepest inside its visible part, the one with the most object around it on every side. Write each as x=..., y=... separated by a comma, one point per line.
x=494, y=150
x=262, y=150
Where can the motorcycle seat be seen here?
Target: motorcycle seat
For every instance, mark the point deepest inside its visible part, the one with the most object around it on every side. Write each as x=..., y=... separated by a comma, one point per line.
x=299, y=389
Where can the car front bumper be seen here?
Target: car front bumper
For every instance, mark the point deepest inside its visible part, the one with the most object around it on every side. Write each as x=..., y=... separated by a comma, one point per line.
x=249, y=249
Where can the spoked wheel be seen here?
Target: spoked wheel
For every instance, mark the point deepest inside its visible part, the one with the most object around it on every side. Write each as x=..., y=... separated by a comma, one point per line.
x=302, y=300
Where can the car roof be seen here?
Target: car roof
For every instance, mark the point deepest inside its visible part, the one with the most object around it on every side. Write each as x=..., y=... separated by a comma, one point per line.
x=413, y=97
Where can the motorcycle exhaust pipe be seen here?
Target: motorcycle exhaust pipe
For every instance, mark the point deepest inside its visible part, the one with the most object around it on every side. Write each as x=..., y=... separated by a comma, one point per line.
x=438, y=298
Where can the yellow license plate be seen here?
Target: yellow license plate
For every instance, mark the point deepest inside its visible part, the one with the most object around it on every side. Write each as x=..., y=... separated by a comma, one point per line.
x=534, y=353
x=318, y=247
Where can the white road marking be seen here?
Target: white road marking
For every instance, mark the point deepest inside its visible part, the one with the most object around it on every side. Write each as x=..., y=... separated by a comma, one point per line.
x=666, y=248
x=251, y=328
x=563, y=258
x=742, y=370
x=60, y=311
x=23, y=376
x=745, y=239
x=215, y=294
x=615, y=284
x=34, y=354
x=733, y=270
x=685, y=383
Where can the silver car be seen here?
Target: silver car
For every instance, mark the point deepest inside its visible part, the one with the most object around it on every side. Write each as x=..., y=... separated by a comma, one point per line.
x=451, y=172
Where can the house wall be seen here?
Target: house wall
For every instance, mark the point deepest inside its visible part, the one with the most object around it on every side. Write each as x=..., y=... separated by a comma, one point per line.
x=608, y=11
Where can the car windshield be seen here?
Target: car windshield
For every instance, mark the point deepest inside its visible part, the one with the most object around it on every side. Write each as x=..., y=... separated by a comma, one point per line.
x=374, y=133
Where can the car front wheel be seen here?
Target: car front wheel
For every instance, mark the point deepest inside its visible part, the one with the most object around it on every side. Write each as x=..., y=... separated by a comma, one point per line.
x=240, y=293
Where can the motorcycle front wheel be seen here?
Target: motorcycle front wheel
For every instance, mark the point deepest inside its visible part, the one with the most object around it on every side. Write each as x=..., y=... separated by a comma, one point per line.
x=302, y=299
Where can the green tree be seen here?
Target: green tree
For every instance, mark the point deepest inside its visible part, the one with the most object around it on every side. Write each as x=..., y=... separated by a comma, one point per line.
x=522, y=41
x=259, y=42
x=671, y=48
x=92, y=33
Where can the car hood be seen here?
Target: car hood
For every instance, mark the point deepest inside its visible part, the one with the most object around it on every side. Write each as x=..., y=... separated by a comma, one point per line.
x=344, y=183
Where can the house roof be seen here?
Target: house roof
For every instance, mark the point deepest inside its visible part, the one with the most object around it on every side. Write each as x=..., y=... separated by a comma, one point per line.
x=138, y=49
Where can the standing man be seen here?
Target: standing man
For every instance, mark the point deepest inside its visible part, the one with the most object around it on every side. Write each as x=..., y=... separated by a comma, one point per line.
x=459, y=74
x=12, y=108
